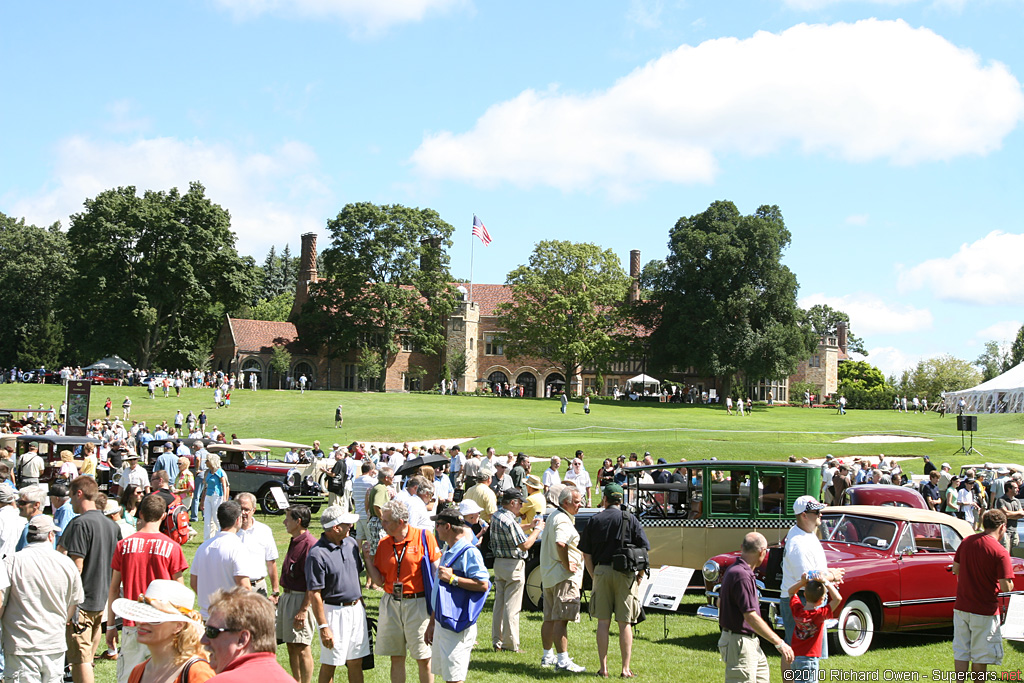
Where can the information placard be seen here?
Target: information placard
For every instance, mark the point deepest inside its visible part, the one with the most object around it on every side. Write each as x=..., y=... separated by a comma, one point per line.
x=78, y=407
x=1013, y=627
x=279, y=497
x=665, y=588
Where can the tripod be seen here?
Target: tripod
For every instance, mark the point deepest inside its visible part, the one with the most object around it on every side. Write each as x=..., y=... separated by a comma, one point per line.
x=964, y=448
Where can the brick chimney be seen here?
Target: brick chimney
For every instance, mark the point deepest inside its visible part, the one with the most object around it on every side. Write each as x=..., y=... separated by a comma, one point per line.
x=307, y=274
x=841, y=334
x=634, y=275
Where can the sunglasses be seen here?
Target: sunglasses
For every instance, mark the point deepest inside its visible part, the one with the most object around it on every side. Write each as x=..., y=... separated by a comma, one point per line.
x=212, y=632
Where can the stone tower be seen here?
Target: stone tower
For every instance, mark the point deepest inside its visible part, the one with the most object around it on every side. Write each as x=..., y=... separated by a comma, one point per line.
x=306, y=276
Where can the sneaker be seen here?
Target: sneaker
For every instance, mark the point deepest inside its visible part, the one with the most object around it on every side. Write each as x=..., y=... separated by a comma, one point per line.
x=572, y=667
x=548, y=660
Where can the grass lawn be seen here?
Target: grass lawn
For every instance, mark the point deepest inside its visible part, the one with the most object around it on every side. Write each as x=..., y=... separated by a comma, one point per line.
x=688, y=652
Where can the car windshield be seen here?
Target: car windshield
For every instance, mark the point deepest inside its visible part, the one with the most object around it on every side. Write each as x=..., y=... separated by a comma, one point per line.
x=866, y=531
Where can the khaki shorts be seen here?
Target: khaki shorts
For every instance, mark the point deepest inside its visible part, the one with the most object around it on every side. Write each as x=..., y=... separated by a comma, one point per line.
x=287, y=607
x=977, y=638
x=615, y=592
x=84, y=638
x=562, y=602
x=39, y=668
x=744, y=660
x=401, y=626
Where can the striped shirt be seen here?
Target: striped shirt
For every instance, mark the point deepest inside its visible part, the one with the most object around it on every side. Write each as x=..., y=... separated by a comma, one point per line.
x=360, y=485
x=507, y=535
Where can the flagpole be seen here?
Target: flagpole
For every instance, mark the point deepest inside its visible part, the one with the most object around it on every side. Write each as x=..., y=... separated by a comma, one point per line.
x=472, y=244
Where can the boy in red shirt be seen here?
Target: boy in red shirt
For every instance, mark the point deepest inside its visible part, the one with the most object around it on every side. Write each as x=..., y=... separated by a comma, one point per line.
x=810, y=615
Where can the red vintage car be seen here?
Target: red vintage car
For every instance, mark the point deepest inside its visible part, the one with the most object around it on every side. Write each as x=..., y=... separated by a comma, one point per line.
x=884, y=495
x=898, y=564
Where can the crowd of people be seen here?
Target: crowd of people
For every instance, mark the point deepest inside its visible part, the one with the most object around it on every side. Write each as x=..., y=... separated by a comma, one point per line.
x=114, y=577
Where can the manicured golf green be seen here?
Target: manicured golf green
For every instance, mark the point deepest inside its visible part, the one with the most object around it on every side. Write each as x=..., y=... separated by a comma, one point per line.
x=688, y=652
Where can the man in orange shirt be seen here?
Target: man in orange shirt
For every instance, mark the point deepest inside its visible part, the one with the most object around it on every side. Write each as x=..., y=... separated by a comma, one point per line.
x=398, y=567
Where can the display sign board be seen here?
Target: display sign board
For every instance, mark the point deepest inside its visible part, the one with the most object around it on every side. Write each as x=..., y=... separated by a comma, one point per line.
x=665, y=588
x=77, y=396
x=1013, y=627
x=279, y=497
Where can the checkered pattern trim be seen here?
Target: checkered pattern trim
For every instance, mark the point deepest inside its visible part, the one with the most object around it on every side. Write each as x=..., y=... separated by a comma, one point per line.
x=718, y=523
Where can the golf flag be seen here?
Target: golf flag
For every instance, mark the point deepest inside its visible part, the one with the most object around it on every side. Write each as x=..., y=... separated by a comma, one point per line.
x=480, y=230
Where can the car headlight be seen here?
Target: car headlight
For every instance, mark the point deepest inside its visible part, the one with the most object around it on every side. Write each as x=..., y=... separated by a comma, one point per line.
x=711, y=571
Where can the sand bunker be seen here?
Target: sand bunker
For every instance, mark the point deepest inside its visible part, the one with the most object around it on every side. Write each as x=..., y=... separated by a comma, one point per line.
x=882, y=438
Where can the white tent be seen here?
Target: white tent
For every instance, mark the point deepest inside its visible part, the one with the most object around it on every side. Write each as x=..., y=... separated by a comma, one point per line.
x=1002, y=394
x=645, y=381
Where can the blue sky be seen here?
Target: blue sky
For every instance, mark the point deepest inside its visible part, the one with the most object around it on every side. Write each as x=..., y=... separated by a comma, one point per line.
x=887, y=131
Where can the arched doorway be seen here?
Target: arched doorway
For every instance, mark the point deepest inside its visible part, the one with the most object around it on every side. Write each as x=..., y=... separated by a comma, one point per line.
x=303, y=368
x=252, y=373
x=529, y=382
x=554, y=384
x=495, y=378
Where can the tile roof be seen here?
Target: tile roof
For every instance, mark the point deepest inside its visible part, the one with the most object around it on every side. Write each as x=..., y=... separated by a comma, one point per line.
x=488, y=297
x=262, y=335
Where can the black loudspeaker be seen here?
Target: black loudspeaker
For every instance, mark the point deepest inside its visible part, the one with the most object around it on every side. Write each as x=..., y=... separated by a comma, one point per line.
x=967, y=423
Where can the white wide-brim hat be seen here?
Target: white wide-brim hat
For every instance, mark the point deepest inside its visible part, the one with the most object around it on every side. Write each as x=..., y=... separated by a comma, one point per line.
x=164, y=601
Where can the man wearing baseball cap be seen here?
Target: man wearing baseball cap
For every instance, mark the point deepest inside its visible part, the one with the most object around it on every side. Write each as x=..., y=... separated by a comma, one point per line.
x=804, y=554
x=335, y=591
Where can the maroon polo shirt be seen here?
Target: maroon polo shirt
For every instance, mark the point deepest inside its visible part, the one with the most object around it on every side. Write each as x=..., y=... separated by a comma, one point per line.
x=293, y=571
x=737, y=596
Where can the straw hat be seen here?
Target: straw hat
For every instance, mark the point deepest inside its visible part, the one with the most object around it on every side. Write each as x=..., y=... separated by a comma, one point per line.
x=164, y=601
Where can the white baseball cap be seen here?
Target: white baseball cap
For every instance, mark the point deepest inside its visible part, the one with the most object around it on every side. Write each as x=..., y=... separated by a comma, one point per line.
x=807, y=504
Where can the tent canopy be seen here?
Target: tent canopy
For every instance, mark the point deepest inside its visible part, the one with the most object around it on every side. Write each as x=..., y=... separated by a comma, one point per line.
x=114, y=362
x=1002, y=394
x=646, y=380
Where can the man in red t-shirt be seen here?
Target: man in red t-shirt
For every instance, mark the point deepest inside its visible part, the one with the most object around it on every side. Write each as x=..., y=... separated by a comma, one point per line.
x=140, y=558
x=809, y=616
x=983, y=569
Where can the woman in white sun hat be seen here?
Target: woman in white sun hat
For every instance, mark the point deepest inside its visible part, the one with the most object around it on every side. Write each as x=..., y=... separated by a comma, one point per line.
x=171, y=628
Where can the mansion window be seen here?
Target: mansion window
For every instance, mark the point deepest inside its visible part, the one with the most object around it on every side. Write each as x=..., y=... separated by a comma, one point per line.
x=348, y=381
x=814, y=362
x=493, y=347
x=409, y=345
x=412, y=383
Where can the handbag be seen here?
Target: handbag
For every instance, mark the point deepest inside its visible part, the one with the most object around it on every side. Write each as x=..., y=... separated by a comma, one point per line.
x=457, y=608
x=629, y=557
x=427, y=571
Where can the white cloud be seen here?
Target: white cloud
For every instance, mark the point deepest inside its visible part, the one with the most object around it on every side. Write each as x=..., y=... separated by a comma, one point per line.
x=372, y=16
x=272, y=196
x=870, y=315
x=857, y=219
x=1003, y=332
x=645, y=13
x=986, y=272
x=893, y=361
x=864, y=91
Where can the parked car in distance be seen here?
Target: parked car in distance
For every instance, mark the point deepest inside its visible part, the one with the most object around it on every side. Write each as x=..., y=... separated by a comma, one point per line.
x=884, y=495
x=250, y=467
x=898, y=563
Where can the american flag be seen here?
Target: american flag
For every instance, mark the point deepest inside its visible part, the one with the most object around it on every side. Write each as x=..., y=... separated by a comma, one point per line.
x=480, y=230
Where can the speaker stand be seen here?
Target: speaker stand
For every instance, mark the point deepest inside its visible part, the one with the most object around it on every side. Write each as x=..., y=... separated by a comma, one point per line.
x=965, y=449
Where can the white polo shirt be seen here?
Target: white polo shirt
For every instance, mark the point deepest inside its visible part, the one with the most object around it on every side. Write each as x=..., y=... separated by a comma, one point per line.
x=258, y=541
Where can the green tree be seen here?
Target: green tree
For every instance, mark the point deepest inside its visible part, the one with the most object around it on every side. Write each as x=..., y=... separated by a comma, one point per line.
x=35, y=270
x=824, y=320
x=280, y=362
x=860, y=372
x=933, y=376
x=456, y=365
x=289, y=269
x=565, y=306
x=650, y=276
x=277, y=309
x=273, y=278
x=370, y=364
x=1017, y=350
x=152, y=275
x=725, y=304
x=994, y=362
x=386, y=277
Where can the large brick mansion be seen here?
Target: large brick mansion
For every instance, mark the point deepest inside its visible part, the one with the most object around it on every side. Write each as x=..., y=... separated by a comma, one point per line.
x=246, y=345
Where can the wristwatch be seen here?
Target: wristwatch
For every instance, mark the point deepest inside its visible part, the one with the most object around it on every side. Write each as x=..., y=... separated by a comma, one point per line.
x=323, y=626
x=276, y=594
